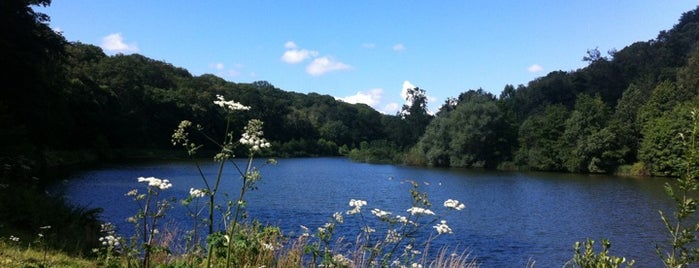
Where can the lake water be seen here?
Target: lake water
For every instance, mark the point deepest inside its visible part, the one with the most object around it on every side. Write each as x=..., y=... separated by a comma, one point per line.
x=510, y=219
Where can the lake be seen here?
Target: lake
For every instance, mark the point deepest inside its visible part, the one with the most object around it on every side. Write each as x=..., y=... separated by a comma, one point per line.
x=510, y=219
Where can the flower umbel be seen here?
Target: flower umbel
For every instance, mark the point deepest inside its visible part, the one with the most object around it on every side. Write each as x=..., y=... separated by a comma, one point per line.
x=454, y=204
x=230, y=105
x=253, y=136
x=161, y=184
x=357, y=206
x=420, y=211
x=196, y=193
x=443, y=228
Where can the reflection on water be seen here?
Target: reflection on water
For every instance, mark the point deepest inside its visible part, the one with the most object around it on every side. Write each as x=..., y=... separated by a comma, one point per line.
x=510, y=218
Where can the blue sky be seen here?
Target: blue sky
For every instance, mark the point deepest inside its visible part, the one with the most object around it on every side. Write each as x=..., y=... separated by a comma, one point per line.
x=367, y=51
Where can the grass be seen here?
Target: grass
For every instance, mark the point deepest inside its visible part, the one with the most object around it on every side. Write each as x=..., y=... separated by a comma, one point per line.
x=12, y=254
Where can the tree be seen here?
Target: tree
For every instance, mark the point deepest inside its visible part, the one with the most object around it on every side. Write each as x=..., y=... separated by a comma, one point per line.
x=415, y=115
x=470, y=136
x=585, y=139
x=540, y=139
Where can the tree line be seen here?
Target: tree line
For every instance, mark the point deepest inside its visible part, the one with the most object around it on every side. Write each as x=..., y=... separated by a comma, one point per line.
x=68, y=101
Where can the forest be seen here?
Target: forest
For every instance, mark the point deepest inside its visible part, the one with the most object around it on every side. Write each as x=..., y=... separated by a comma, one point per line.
x=69, y=103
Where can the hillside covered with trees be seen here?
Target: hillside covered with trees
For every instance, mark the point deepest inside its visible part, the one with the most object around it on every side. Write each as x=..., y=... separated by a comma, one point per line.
x=68, y=102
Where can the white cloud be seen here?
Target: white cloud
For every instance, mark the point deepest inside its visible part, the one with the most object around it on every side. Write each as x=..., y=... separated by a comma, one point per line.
x=294, y=55
x=535, y=68
x=290, y=45
x=322, y=65
x=370, y=97
x=115, y=43
x=404, y=91
x=391, y=108
x=398, y=47
x=219, y=66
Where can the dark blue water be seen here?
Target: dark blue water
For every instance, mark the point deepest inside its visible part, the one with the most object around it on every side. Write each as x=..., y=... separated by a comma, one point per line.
x=510, y=219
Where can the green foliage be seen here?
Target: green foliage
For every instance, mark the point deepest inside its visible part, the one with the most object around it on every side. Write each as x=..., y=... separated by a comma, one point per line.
x=683, y=249
x=540, y=139
x=472, y=135
x=661, y=150
x=585, y=256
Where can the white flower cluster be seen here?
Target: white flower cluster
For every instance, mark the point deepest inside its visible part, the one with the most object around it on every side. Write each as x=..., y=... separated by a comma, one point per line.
x=380, y=213
x=109, y=241
x=14, y=238
x=420, y=211
x=325, y=227
x=162, y=184
x=392, y=236
x=454, y=204
x=230, y=105
x=357, y=206
x=267, y=246
x=442, y=228
x=403, y=220
x=253, y=136
x=338, y=217
x=196, y=193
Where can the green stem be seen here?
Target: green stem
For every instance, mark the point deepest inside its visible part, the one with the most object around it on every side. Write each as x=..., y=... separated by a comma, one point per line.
x=243, y=189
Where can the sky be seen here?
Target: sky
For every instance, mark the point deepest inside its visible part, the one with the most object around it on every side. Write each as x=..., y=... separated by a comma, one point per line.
x=367, y=51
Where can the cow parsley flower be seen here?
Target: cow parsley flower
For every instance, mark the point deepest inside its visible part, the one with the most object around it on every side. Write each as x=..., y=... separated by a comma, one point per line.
x=252, y=136
x=357, y=206
x=109, y=241
x=380, y=213
x=161, y=184
x=196, y=193
x=338, y=217
x=443, y=228
x=420, y=211
x=454, y=204
x=230, y=105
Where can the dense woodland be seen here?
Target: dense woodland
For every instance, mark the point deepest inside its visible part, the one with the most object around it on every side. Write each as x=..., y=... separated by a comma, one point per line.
x=68, y=102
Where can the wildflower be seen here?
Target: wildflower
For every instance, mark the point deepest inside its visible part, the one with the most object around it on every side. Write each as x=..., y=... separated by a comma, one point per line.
x=253, y=136
x=443, y=228
x=380, y=213
x=267, y=246
x=14, y=238
x=454, y=204
x=230, y=105
x=162, y=184
x=357, y=206
x=133, y=192
x=196, y=193
x=420, y=211
x=181, y=136
x=109, y=241
x=338, y=217
x=416, y=265
x=392, y=236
